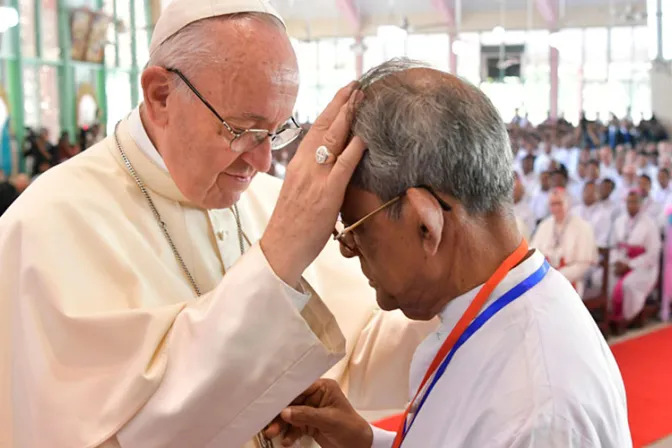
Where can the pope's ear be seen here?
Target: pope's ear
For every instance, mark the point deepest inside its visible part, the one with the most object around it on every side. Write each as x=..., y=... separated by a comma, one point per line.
x=430, y=219
x=157, y=86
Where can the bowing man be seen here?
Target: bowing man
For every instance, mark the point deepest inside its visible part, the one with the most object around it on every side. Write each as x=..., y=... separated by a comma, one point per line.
x=517, y=360
x=634, y=258
x=566, y=240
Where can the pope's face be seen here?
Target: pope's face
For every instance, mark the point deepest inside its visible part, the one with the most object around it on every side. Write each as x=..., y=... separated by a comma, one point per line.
x=391, y=255
x=252, y=85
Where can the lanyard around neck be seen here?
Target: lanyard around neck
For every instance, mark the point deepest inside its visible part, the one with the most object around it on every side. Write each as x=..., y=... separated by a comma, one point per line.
x=467, y=318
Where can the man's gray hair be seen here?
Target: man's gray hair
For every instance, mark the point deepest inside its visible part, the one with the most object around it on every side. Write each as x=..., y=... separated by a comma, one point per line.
x=193, y=48
x=434, y=131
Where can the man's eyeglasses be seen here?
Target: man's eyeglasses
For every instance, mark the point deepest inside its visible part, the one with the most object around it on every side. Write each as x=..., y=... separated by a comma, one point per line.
x=248, y=139
x=344, y=234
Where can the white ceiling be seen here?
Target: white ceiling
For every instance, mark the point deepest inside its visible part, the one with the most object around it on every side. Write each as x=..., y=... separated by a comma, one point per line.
x=328, y=9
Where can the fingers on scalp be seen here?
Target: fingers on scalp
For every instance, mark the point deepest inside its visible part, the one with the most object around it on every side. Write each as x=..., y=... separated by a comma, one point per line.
x=331, y=111
x=348, y=160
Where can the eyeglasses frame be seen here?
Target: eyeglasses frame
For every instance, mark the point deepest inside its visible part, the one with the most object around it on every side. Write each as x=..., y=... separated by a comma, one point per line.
x=236, y=134
x=339, y=236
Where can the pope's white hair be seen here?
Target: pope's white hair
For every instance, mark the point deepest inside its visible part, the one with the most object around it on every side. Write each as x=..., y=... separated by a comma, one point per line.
x=193, y=47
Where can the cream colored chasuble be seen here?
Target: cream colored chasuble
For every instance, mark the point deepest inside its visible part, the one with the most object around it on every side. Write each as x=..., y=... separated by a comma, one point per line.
x=102, y=339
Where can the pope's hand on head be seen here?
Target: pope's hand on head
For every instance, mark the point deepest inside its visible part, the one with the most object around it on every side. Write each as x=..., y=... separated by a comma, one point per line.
x=312, y=193
x=327, y=416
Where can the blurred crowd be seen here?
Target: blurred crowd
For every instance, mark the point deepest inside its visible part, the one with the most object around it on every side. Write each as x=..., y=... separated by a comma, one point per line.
x=596, y=190
x=40, y=154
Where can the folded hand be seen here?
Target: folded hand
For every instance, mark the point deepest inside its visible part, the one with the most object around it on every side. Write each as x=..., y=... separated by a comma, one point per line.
x=327, y=416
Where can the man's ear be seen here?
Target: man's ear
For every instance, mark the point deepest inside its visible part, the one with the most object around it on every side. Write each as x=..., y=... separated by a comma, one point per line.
x=430, y=218
x=156, y=86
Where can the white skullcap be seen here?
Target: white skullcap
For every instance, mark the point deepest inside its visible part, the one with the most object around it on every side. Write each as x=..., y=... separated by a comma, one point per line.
x=180, y=13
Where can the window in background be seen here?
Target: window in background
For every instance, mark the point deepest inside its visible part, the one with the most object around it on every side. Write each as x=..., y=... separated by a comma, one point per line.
x=595, y=68
x=124, y=34
x=433, y=49
x=385, y=46
x=374, y=53
x=84, y=75
x=468, y=50
x=507, y=94
x=27, y=22
x=618, y=99
x=536, y=95
x=641, y=44
x=336, y=65
x=31, y=95
x=622, y=43
x=652, y=38
x=569, y=43
x=595, y=101
x=110, y=50
x=307, y=101
x=118, y=91
x=667, y=29
x=641, y=101
x=7, y=38
x=41, y=99
x=141, y=34
x=325, y=66
x=50, y=47
x=49, y=101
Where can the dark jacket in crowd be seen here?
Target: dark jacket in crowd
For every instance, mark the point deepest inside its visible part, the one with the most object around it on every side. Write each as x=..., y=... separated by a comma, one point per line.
x=8, y=194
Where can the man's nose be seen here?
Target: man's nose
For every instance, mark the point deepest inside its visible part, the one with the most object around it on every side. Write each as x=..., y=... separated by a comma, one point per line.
x=260, y=158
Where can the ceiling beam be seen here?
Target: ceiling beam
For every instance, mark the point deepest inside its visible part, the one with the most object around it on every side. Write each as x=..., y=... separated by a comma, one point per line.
x=351, y=14
x=548, y=9
x=447, y=11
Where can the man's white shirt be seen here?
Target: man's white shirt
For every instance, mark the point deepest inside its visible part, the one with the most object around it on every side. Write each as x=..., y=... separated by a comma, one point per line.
x=538, y=373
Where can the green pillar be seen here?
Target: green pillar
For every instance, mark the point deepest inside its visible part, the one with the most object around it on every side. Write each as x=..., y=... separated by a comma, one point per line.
x=101, y=76
x=15, y=83
x=38, y=28
x=134, y=58
x=66, y=75
x=149, y=20
x=116, y=33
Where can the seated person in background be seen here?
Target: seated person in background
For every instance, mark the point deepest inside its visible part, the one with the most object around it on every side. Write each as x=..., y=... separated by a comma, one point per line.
x=539, y=200
x=521, y=207
x=593, y=170
x=11, y=189
x=606, y=197
x=664, y=191
x=607, y=164
x=627, y=182
x=598, y=217
x=530, y=178
x=575, y=185
x=634, y=259
x=566, y=240
x=649, y=206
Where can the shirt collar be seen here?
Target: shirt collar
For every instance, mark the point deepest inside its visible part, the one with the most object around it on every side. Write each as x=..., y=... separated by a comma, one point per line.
x=453, y=311
x=139, y=135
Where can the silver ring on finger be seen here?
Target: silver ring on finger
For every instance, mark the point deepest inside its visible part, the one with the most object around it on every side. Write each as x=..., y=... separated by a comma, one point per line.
x=323, y=156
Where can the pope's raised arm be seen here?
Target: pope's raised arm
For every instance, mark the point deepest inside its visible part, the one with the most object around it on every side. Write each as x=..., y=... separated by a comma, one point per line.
x=136, y=312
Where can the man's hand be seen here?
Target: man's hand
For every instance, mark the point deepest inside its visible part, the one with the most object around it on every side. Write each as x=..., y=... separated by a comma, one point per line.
x=620, y=268
x=327, y=416
x=312, y=194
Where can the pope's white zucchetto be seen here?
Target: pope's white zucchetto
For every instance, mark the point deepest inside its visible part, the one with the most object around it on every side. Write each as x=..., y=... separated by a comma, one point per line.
x=180, y=13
